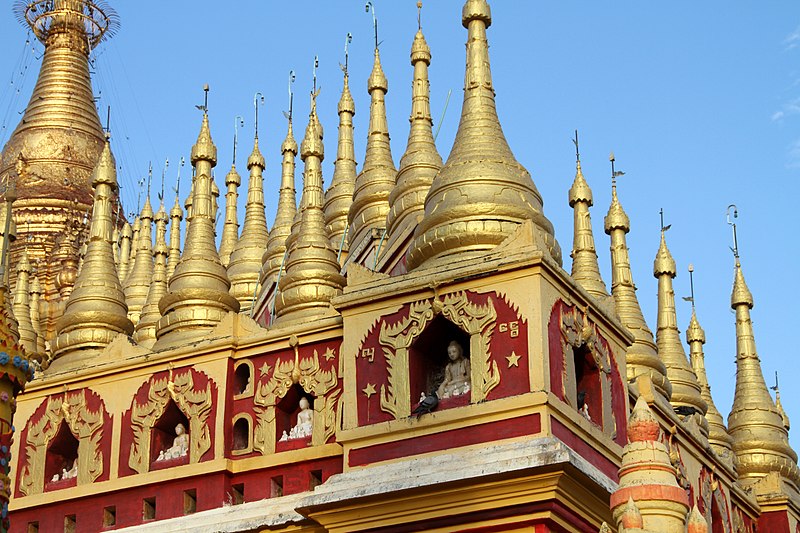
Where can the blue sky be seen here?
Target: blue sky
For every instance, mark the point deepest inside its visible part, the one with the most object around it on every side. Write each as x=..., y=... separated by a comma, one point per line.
x=700, y=102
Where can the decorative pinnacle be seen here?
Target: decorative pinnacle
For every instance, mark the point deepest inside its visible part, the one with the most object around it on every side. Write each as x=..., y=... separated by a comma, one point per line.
x=419, y=15
x=238, y=121
x=255, y=105
x=347, y=40
x=476, y=10
x=731, y=222
x=370, y=7
x=616, y=217
x=291, y=97
x=96, y=19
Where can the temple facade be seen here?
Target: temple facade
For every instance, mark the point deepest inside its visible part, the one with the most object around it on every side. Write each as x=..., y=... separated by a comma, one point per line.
x=402, y=351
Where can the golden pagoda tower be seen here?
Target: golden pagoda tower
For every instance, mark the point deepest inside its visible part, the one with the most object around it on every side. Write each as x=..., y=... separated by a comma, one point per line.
x=145, y=330
x=685, y=396
x=245, y=265
x=482, y=194
x=197, y=297
x=22, y=309
x=641, y=357
x=421, y=161
x=230, y=229
x=312, y=275
x=339, y=196
x=585, y=269
x=140, y=277
x=125, y=251
x=274, y=256
x=52, y=152
x=36, y=296
x=760, y=439
x=377, y=178
x=96, y=311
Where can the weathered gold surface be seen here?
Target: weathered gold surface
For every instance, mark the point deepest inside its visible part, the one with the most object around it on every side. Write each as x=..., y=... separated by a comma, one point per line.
x=685, y=388
x=421, y=161
x=641, y=357
x=96, y=311
x=760, y=440
x=230, y=229
x=145, y=331
x=585, y=269
x=197, y=297
x=22, y=309
x=273, y=260
x=244, y=269
x=312, y=271
x=137, y=284
x=718, y=435
x=339, y=196
x=377, y=178
x=482, y=194
x=175, y=217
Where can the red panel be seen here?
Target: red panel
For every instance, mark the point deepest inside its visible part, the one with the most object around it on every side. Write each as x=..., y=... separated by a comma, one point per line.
x=503, y=429
x=557, y=369
x=775, y=521
x=583, y=448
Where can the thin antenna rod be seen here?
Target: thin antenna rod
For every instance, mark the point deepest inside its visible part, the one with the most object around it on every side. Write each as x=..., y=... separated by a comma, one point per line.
x=291, y=94
x=347, y=40
x=178, y=181
x=661, y=214
x=444, y=111
x=149, y=177
x=371, y=7
x=255, y=105
x=237, y=121
x=691, y=284
x=614, y=173
x=163, y=176
x=205, y=103
x=314, y=73
x=732, y=223
x=776, y=388
x=108, y=120
x=419, y=15
x=577, y=150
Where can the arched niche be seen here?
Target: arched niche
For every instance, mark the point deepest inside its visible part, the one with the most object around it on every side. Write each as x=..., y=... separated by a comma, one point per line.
x=164, y=433
x=428, y=357
x=243, y=379
x=588, y=385
x=61, y=459
x=242, y=434
x=286, y=413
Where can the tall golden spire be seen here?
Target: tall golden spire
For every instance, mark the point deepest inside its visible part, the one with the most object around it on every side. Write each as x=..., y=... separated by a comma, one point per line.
x=197, y=298
x=377, y=178
x=245, y=265
x=760, y=440
x=95, y=312
x=145, y=330
x=140, y=278
x=273, y=258
x=721, y=442
x=641, y=357
x=175, y=216
x=230, y=229
x=55, y=146
x=421, y=161
x=125, y=251
x=339, y=196
x=115, y=236
x=584, y=256
x=136, y=230
x=22, y=309
x=482, y=194
x=9, y=234
x=685, y=388
x=36, y=298
x=312, y=275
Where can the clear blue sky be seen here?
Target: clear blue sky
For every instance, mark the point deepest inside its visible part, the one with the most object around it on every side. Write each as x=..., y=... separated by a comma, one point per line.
x=700, y=102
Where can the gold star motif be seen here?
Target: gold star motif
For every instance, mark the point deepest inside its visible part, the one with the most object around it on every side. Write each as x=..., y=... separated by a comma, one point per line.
x=328, y=355
x=513, y=359
x=369, y=390
x=264, y=369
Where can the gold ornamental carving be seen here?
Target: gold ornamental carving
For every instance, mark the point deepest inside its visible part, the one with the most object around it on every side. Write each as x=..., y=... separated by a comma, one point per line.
x=195, y=403
x=578, y=332
x=86, y=426
x=478, y=321
x=306, y=372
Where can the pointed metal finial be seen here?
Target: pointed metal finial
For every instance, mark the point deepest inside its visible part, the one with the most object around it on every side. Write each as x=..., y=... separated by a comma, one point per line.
x=347, y=40
x=177, y=187
x=237, y=122
x=163, y=176
x=255, y=105
x=108, y=121
x=577, y=149
x=371, y=7
x=614, y=173
x=419, y=15
x=663, y=227
x=691, y=285
x=776, y=388
x=205, y=93
x=291, y=95
x=149, y=177
x=314, y=73
x=732, y=223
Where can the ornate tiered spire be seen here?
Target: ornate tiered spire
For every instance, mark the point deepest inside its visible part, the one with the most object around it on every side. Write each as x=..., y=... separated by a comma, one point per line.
x=377, y=178
x=482, y=194
x=641, y=357
x=760, y=440
x=140, y=278
x=245, y=265
x=22, y=309
x=273, y=258
x=230, y=229
x=145, y=334
x=584, y=256
x=197, y=298
x=339, y=196
x=685, y=388
x=136, y=231
x=312, y=271
x=95, y=312
x=36, y=297
x=175, y=217
x=421, y=161
x=125, y=251
x=718, y=435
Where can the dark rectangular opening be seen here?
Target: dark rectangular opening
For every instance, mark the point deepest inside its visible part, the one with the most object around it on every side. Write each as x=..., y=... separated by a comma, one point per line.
x=109, y=516
x=237, y=493
x=33, y=527
x=276, y=487
x=189, y=501
x=70, y=524
x=314, y=479
x=149, y=508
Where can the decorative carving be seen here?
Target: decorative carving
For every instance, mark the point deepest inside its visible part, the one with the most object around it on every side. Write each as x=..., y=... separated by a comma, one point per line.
x=86, y=426
x=578, y=332
x=194, y=403
x=313, y=379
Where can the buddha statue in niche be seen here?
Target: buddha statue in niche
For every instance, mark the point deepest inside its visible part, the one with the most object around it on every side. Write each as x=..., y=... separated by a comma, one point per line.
x=304, y=423
x=457, y=373
x=180, y=445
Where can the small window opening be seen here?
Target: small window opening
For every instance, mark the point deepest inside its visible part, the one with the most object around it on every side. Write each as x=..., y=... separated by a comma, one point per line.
x=33, y=527
x=109, y=516
x=241, y=378
x=70, y=524
x=189, y=501
x=237, y=493
x=149, y=508
x=276, y=490
x=315, y=479
x=241, y=434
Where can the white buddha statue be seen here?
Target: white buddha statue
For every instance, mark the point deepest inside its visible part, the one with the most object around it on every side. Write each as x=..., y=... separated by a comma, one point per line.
x=457, y=373
x=303, y=427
